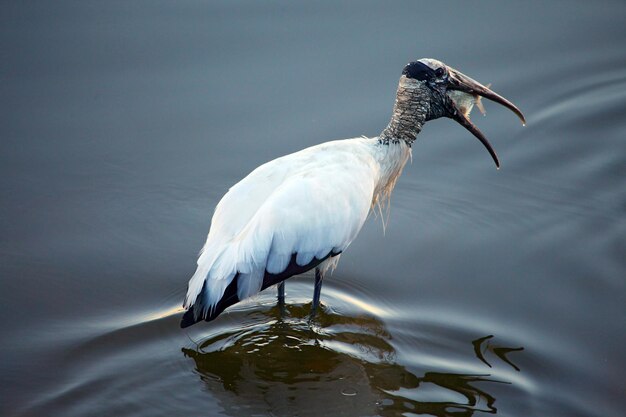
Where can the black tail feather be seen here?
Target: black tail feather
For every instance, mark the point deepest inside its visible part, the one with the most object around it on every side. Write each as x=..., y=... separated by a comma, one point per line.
x=228, y=299
x=230, y=294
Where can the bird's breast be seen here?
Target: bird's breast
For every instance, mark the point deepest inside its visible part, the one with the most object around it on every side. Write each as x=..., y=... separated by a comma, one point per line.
x=391, y=159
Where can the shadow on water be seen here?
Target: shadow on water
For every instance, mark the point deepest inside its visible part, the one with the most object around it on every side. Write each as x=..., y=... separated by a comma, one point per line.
x=282, y=364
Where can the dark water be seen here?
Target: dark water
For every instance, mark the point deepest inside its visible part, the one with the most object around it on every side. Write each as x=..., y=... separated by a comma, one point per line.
x=491, y=292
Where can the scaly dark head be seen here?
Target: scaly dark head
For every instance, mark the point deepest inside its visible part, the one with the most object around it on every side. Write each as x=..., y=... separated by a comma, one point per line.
x=443, y=81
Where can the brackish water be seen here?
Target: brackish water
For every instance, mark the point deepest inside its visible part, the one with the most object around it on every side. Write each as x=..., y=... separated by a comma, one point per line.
x=490, y=292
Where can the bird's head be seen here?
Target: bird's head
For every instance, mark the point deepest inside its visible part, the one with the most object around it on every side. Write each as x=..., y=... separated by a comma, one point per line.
x=452, y=94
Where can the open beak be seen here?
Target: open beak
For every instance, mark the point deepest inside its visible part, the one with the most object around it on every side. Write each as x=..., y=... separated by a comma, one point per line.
x=461, y=82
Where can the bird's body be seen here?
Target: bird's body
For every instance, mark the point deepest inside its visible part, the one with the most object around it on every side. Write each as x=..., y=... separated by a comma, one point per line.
x=300, y=211
x=306, y=204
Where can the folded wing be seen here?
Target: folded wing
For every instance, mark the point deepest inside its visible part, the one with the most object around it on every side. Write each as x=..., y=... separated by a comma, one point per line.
x=304, y=206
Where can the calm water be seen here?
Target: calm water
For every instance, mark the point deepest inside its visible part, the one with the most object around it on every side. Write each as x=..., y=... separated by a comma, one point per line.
x=491, y=292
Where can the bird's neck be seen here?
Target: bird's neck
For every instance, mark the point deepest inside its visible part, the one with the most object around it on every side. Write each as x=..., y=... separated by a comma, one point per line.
x=409, y=113
x=391, y=157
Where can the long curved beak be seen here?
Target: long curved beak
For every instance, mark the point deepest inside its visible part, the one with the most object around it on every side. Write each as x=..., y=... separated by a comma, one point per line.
x=461, y=82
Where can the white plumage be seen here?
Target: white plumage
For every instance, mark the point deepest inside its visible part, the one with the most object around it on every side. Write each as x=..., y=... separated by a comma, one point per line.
x=301, y=211
x=307, y=203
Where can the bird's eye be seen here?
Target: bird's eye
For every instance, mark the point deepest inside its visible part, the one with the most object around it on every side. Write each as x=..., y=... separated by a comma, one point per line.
x=439, y=72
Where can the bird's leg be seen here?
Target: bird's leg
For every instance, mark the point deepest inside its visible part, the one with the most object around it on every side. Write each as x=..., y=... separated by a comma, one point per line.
x=316, y=292
x=281, y=293
x=281, y=299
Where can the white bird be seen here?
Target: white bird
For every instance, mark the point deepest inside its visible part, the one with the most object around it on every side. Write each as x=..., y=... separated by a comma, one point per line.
x=301, y=211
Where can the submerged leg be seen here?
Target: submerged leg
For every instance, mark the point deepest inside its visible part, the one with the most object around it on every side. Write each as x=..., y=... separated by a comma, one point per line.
x=317, y=291
x=281, y=293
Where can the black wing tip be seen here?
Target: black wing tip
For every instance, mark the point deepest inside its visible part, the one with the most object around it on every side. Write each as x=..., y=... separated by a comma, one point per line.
x=189, y=319
x=229, y=298
x=230, y=294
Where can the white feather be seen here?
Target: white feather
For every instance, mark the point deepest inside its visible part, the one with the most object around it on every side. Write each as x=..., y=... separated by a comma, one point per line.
x=308, y=203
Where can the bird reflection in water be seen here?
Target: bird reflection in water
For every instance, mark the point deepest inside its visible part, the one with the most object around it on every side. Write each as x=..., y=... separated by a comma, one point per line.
x=278, y=363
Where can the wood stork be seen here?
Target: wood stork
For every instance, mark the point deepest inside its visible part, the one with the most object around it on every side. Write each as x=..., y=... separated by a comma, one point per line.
x=301, y=211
